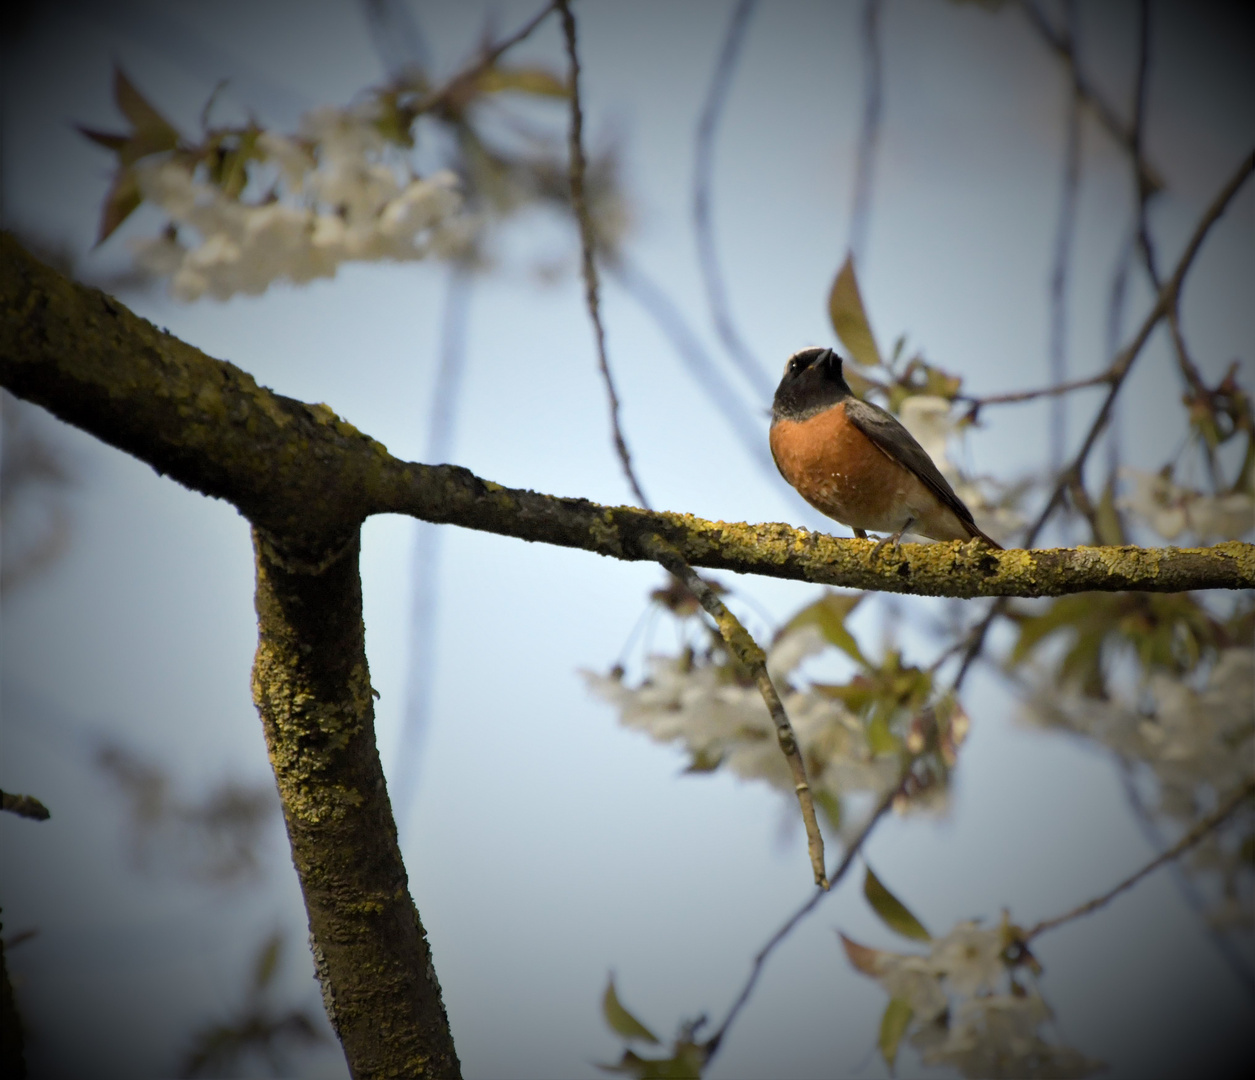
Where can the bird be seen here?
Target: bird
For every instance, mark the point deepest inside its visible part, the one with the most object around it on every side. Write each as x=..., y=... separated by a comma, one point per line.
x=855, y=462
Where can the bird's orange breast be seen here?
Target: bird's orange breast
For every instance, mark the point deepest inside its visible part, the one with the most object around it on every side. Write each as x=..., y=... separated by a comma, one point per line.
x=842, y=473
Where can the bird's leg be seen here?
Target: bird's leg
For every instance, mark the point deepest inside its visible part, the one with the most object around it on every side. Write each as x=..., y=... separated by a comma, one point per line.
x=860, y=533
x=897, y=536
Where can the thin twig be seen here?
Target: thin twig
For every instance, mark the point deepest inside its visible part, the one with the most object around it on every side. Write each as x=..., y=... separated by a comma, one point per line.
x=423, y=670
x=751, y=656
x=760, y=958
x=1186, y=842
x=749, y=431
x=26, y=806
x=469, y=75
x=869, y=132
x=1030, y=395
x=1189, y=370
x=1064, y=230
x=703, y=228
x=1117, y=373
x=1114, y=332
x=1117, y=128
x=588, y=247
x=1231, y=956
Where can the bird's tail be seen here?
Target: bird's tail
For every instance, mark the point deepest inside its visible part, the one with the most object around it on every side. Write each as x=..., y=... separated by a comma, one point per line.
x=976, y=533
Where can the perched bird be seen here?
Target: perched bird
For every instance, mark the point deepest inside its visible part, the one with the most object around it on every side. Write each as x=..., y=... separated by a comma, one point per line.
x=854, y=462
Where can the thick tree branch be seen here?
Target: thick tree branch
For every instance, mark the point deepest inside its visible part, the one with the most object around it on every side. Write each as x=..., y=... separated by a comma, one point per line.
x=307, y=479
x=312, y=689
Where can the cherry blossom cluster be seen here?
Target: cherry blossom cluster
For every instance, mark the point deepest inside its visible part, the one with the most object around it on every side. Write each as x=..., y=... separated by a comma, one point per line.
x=961, y=1007
x=698, y=702
x=341, y=192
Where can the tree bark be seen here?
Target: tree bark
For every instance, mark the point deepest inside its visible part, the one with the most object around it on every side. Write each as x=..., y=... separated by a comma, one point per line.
x=307, y=479
x=312, y=689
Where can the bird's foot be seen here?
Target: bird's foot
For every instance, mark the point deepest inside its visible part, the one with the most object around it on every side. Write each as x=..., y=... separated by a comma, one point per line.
x=861, y=533
x=895, y=539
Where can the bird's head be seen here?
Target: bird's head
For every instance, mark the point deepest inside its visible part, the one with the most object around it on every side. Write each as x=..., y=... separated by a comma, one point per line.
x=812, y=382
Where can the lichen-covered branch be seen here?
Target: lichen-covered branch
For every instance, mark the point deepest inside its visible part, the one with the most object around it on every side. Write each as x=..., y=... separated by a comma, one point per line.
x=754, y=660
x=312, y=689
x=307, y=479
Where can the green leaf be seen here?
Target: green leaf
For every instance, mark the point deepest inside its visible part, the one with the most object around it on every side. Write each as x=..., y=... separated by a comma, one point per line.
x=267, y=962
x=146, y=120
x=893, y=1026
x=1108, y=529
x=620, y=1020
x=124, y=196
x=849, y=319
x=685, y=1064
x=830, y=804
x=107, y=139
x=879, y=738
x=893, y=913
x=526, y=80
x=829, y=614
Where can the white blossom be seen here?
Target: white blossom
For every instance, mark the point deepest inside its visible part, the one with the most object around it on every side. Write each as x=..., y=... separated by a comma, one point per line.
x=998, y=1036
x=928, y=418
x=914, y=980
x=970, y=958
x=1171, y=510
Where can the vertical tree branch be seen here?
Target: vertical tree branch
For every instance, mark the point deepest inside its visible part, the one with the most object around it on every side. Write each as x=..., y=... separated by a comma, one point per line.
x=312, y=689
x=588, y=248
x=703, y=182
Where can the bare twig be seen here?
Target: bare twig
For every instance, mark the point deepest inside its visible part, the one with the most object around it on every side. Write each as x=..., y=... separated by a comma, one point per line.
x=26, y=806
x=588, y=246
x=869, y=132
x=1189, y=370
x=703, y=229
x=1232, y=957
x=423, y=669
x=1206, y=825
x=667, y=316
x=1064, y=229
x=1030, y=395
x=1115, y=127
x=457, y=85
x=751, y=656
x=1116, y=374
x=761, y=957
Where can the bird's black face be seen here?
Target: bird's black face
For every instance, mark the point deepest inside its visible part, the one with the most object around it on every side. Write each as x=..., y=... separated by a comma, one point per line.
x=812, y=382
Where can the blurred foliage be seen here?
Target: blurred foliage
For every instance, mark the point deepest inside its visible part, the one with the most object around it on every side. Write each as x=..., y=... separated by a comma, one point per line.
x=861, y=736
x=214, y=839
x=687, y=1058
x=1169, y=632
x=247, y=206
x=35, y=480
x=963, y=1004
x=259, y=1030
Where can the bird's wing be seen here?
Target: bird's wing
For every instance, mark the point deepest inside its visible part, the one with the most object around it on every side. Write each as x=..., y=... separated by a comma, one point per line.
x=893, y=439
